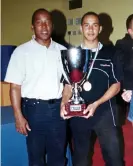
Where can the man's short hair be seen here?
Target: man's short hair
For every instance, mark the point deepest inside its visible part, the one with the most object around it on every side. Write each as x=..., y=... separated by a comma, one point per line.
x=88, y=14
x=37, y=11
x=128, y=21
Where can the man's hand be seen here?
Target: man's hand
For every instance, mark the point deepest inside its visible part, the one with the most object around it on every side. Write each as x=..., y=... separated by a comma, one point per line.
x=126, y=95
x=22, y=125
x=66, y=95
x=90, y=110
x=63, y=112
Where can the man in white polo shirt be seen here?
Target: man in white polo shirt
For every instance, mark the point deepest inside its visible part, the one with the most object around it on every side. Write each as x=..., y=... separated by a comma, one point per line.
x=34, y=72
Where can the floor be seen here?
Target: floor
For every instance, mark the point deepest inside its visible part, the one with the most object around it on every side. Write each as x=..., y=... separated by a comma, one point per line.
x=13, y=149
x=128, y=139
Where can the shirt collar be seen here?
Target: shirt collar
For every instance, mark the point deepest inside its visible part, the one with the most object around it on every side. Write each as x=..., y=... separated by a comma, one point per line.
x=50, y=46
x=93, y=49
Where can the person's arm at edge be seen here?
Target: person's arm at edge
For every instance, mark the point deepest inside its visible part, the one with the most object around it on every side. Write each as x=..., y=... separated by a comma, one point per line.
x=15, y=96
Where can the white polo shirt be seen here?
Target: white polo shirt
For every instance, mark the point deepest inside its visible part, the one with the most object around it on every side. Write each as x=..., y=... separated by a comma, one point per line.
x=37, y=69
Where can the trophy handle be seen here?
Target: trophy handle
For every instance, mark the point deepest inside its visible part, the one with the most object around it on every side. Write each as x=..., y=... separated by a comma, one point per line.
x=86, y=67
x=65, y=70
x=85, y=77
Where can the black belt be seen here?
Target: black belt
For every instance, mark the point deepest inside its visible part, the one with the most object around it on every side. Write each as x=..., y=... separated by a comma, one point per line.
x=37, y=101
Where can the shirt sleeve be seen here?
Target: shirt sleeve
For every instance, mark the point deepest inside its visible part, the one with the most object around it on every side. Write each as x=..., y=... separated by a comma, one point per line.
x=16, y=68
x=117, y=67
x=118, y=64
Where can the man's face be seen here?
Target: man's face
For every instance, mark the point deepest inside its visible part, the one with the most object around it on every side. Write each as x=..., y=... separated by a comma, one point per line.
x=130, y=30
x=42, y=26
x=90, y=28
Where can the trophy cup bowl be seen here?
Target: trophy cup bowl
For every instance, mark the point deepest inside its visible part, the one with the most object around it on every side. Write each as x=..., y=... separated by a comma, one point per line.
x=75, y=63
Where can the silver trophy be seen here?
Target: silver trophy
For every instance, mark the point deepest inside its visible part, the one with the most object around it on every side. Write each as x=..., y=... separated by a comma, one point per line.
x=76, y=68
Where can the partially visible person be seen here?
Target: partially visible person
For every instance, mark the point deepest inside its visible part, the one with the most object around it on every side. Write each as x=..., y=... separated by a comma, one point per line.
x=127, y=95
x=101, y=112
x=35, y=73
x=126, y=46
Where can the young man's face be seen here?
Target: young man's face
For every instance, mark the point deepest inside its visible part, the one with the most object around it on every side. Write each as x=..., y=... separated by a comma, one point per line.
x=130, y=30
x=42, y=26
x=90, y=28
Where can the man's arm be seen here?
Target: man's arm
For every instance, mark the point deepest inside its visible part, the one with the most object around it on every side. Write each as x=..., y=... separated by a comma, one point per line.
x=15, y=95
x=111, y=92
x=66, y=95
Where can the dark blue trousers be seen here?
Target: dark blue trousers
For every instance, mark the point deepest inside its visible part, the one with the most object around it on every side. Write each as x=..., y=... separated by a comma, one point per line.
x=48, y=132
x=108, y=136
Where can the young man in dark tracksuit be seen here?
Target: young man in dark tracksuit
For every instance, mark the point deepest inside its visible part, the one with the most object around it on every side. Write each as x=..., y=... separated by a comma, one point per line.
x=101, y=103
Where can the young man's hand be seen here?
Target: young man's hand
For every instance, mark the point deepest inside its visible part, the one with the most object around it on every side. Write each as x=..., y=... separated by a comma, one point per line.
x=90, y=110
x=63, y=112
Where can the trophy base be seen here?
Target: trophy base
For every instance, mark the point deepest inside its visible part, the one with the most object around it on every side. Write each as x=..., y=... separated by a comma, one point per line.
x=75, y=109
